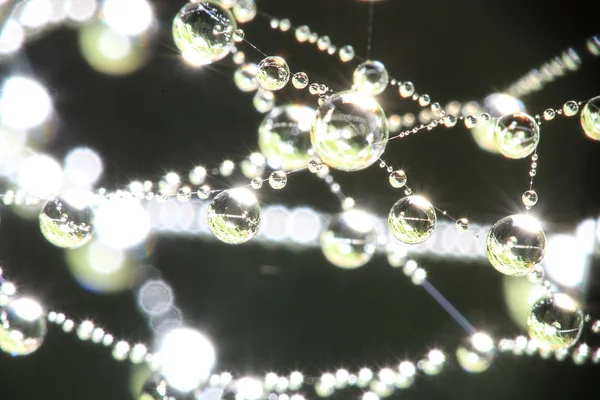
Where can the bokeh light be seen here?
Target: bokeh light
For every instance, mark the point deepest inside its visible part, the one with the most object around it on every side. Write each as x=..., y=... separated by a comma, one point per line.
x=128, y=17
x=566, y=260
x=187, y=358
x=101, y=268
x=24, y=103
x=81, y=10
x=40, y=175
x=11, y=37
x=82, y=166
x=111, y=52
x=155, y=297
x=35, y=13
x=121, y=223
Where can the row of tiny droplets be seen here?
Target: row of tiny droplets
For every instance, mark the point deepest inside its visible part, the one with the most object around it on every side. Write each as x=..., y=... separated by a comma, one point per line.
x=378, y=385
x=277, y=180
x=569, y=61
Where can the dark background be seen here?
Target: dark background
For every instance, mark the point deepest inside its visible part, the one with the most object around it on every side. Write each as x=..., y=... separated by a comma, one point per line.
x=311, y=315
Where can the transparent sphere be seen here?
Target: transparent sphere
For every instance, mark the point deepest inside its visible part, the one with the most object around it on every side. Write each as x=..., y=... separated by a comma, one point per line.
x=590, y=118
x=315, y=165
x=234, y=216
x=536, y=275
x=350, y=131
x=516, y=135
x=497, y=105
x=284, y=136
x=67, y=221
x=238, y=35
x=157, y=388
x=256, y=183
x=412, y=219
x=244, y=10
x=397, y=178
x=203, y=31
x=516, y=244
x=273, y=73
x=349, y=239
x=346, y=53
x=555, y=321
x=570, y=108
x=245, y=77
x=461, y=224
x=476, y=353
x=371, y=77
x=529, y=198
x=22, y=326
x=300, y=80
x=278, y=179
x=263, y=101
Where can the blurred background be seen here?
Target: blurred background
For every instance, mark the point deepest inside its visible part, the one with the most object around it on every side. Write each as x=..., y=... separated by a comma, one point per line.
x=118, y=91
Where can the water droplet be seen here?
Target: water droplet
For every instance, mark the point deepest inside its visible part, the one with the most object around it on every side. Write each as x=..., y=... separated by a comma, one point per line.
x=263, y=101
x=549, y=114
x=323, y=43
x=516, y=244
x=244, y=10
x=234, y=216
x=284, y=136
x=529, y=198
x=412, y=219
x=536, y=275
x=371, y=77
x=476, y=354
x=184, y=194
x=596, y=326
x=238, y=35
x=590, y=118
x=22, y=326
x=66, y=221
x=424, y=100
x=555, y=321
x=285, y=25
x=346, y=53
x=300, y=80
x=516, y=135
x=570, y=108
x=349, y=239
x=406, y=89
x=204, y=192
x=315, y=165
x=256, y=183
x=470, y=122
x=398, y=179
x=461, y=225
x=245, y=77
x=203, y=32
x=278, y=179
x=450, y=120
x=302, y=33
x=350, y=131
x=273, y=73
